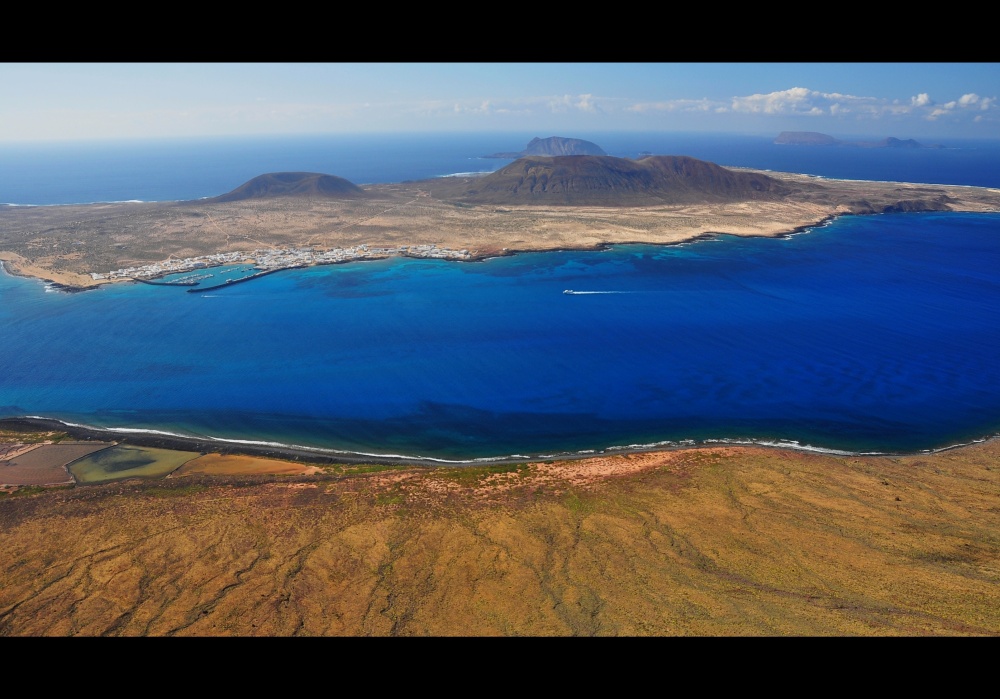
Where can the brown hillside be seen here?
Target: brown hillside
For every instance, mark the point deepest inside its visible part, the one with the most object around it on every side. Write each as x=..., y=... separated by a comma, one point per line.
x=722, y=541
x=293, y=184
x=583, y=180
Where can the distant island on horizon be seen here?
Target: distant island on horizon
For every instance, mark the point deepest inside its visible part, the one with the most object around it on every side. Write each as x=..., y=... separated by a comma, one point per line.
x=813, y=138
x=554, y=145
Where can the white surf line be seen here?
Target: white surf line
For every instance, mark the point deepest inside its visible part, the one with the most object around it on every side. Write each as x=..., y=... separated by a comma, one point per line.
x=324, y=451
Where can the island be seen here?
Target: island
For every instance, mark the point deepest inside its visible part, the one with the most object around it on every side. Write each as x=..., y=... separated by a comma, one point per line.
x=812, y=138
x=535, y=203
x=554, y=145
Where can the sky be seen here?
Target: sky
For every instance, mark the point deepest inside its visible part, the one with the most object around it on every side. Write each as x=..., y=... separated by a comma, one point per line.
x=99, y=101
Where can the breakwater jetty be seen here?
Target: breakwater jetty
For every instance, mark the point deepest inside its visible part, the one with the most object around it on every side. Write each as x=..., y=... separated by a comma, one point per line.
x=239, y=280
x=171, y=283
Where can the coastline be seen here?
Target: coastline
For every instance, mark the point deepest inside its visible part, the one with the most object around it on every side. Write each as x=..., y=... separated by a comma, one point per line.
x=15, y=265
x=321, y=456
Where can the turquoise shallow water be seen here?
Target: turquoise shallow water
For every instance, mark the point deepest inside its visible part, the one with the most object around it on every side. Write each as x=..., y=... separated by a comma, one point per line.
x=869, y=334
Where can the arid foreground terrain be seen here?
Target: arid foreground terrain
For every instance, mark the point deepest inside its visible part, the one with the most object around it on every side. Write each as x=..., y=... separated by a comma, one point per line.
x=726, y=541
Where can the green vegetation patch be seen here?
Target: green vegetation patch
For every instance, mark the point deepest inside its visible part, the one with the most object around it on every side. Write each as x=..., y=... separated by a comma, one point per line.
x=129, y=462
x=574, y=503
x=350, y=469
x=392, y=498
x=176, y=491
x=27, y=490
x=474, y=474
x=23, y=490
x=19, y=437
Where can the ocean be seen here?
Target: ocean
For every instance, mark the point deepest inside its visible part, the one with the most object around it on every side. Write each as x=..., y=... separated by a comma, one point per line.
x=869, y=334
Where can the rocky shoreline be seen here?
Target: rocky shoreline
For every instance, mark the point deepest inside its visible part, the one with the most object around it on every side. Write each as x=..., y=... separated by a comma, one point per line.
x=328, y=457
x=178, y=443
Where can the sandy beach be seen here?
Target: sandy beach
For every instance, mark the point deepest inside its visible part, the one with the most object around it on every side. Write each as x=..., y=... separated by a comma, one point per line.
x=15, y=264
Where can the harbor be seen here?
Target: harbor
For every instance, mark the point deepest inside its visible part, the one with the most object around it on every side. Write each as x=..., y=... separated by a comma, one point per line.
x=190, y=280
x=239, y=280
x=266, y=260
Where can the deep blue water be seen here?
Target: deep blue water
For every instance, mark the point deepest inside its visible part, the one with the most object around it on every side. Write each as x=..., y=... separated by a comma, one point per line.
x=869, y=334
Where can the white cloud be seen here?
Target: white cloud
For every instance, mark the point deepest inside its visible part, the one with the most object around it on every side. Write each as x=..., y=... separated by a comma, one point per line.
x=893, y=109
x=797, y=100
x=680, y=105
x=486, y=107
x=586, y=103
x=481, y=107
x=800, y=101
x=559, y=104
x=974, y=101
x=565, y=103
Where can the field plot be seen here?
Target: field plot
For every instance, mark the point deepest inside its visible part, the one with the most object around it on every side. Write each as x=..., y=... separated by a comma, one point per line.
x=45, y=464
x=129, y=462
x=238, y=465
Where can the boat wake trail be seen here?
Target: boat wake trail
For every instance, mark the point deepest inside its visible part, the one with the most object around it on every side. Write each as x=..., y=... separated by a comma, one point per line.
x=582, y=293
